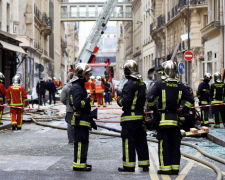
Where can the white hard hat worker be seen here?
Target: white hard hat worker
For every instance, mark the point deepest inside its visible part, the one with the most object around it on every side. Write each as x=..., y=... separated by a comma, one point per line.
x=54, y=78
x=99, y=78
x=1, y=77
x=92, y=78
x=60, y=78
x=207, y=76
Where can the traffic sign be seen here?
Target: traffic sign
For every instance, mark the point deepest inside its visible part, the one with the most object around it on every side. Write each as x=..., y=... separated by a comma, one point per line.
x=40, y=68
x=181, y=68
x=188, y=55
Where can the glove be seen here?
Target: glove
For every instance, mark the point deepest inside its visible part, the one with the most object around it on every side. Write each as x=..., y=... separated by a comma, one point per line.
x=118, y=101
x=148, y=120
x=180, y=122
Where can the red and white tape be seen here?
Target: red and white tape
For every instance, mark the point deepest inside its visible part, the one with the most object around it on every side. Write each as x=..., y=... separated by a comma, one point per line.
x=29, y=108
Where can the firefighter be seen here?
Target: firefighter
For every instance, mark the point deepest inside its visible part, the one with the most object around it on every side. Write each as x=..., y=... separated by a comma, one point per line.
x=169, y=92
x=92, y=90
x=55, y=81
x=133, y=136
x=99, y=90
x=217, y=94
x=16, y=95
x=2, y=94
x=203, y=96
x=60, y=82
x=80, y=102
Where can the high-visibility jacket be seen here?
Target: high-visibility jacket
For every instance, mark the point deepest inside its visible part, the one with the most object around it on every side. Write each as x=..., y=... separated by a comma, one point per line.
x=217, y=93
x=56, y=83
x=16, y=95
x=203, y=92
x=86, y=84
x=169, y=96
x=60, y=83
x=99, y=87
x=2, y=91
x=92, y=87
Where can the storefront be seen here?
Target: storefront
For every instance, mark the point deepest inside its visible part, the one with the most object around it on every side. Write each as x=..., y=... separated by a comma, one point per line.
x=9, y=57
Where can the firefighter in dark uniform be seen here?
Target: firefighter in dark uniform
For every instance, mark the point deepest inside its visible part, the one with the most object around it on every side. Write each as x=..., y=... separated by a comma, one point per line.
x=80, y=102
x=169, y=92
x=133, y=136
x=203, y=96
x=217, y=95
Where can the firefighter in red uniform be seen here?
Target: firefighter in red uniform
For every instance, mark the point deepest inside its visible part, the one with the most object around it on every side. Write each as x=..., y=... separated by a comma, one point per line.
x=2, y=93
x=15, y=96
x=60, y=82
x=92, y=90
x=99, y=89
x=55, y=81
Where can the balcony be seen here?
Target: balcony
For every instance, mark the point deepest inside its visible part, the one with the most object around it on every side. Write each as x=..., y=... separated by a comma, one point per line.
x=45, y=53
x=168, y=16
x=192, y=3
x=161, y=21
x=38, y=47
x=151, y=28
x=173, y=14
x=37, y=13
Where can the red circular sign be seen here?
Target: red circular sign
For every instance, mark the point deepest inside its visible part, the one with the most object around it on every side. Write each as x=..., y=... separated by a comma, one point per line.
x=188, y=55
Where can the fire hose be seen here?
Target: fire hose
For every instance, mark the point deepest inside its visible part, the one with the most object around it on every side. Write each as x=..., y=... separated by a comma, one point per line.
x=214, y=167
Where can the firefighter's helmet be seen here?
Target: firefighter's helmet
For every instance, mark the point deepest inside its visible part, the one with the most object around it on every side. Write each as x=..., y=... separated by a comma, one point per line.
x=81, y=69
x=99, y=78
x=207, y=76
x=2, y=75
x=92, y=78
x=170, y=70
x=130, y=68
x=16, y=80
x=217, y=77
x=54, y=78
x=60, y=78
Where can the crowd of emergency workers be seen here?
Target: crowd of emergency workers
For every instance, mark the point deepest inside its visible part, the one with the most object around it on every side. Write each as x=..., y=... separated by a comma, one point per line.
x=164, y=99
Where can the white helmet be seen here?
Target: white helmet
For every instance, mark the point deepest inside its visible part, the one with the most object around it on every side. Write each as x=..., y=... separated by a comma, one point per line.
x=99, y=78
x=92, y=78
x=60, y=78
x=16, y=80
x=54, y=78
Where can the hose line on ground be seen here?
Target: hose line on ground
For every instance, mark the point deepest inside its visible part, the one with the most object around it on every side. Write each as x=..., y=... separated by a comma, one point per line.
x=214, y=167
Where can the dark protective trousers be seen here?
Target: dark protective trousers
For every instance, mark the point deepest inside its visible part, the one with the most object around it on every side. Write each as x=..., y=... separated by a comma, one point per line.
x=42, y=96
x=51, y=94
x=70, y=129
x=215, y=111
x=204, y=115
x=81, y=141
x=169, y=141
x=134, y=139
x=1, y=111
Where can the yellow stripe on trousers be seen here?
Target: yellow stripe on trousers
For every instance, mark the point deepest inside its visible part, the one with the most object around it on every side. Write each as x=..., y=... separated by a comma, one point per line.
x=187, y=168
x=156, y=159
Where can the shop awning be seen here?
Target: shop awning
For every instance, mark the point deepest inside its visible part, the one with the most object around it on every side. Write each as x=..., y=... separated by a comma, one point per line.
x=12, y=47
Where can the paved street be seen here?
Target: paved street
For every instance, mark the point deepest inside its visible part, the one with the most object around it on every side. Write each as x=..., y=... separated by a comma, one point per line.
x=39, y=152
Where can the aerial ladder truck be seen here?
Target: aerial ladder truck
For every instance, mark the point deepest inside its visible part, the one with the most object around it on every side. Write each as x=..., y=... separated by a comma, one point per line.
x=90, y=47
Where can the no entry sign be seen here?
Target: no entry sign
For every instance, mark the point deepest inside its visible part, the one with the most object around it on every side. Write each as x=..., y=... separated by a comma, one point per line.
x=188, y=55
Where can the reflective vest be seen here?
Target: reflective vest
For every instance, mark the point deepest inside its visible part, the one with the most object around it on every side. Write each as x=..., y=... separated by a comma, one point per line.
x=60, y=83
x=87, y=84
x=56, y=83
x=15, y=95
x=2, y=91
x=98, y=87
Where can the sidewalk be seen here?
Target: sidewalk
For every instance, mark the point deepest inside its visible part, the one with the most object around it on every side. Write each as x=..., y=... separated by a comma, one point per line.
x=217, y=135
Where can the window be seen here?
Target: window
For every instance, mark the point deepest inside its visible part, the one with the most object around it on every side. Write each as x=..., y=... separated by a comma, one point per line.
x=82, y=11
x=73, y=11
x=209, y=56
x=107, y=36
x=91, y=11
x=114, y=36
